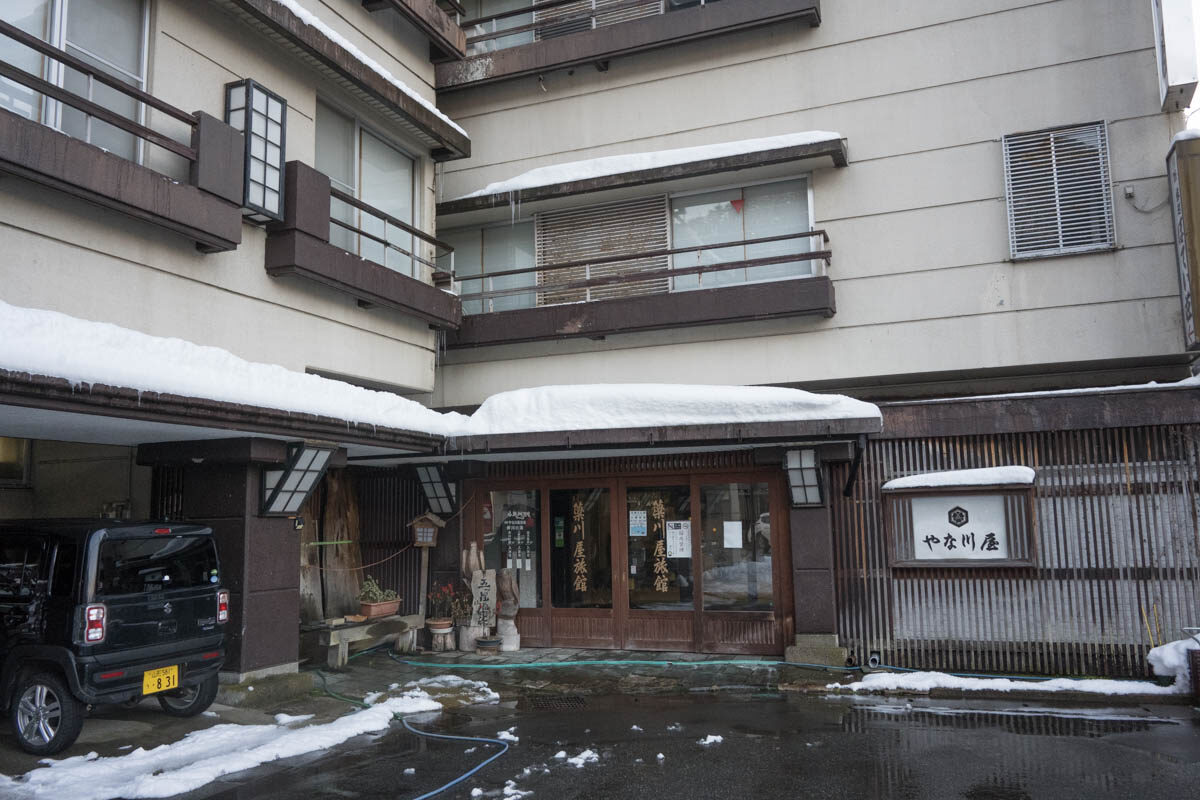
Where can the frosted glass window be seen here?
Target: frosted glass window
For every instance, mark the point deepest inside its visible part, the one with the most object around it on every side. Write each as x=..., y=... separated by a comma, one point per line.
x=483, y=251
x=387, y=181
x=33, y=17
x=737, y=215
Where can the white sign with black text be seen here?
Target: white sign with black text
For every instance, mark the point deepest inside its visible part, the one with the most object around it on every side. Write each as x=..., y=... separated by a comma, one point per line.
x=958, y=527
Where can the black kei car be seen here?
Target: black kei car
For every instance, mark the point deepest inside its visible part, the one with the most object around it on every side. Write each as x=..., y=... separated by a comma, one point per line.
x=99, y=611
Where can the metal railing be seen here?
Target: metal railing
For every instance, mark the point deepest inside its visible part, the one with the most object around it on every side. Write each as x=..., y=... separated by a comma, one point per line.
x=89, y=107
x=581, y=279
x=384, y=222
x=552, y=18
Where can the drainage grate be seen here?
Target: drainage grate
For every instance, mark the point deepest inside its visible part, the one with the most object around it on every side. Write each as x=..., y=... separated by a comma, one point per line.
x=556, y=702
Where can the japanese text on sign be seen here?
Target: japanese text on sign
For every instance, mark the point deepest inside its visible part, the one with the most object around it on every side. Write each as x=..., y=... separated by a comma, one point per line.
x=962, y=527
x=483, y=590
x=581, y=565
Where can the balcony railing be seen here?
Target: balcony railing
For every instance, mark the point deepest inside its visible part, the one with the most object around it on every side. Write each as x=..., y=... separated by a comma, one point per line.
x=335, y=239
x=212, y=154
x=553, y=18
x=373, y=235
x=637, y=274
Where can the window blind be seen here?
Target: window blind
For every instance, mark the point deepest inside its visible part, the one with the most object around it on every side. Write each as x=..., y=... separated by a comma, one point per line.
x=1058, y=191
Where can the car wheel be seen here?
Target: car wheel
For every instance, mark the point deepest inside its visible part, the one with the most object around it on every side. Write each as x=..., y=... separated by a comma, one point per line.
x=190, y=700
x=45, y=716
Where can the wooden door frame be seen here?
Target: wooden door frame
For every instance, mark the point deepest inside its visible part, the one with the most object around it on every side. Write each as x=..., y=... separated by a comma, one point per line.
x=783, y=614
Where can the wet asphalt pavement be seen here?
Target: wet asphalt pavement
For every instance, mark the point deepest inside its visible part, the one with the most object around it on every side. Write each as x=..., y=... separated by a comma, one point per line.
x=773, y=747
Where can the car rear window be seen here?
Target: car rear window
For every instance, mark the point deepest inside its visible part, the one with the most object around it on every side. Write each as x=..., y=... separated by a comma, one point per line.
x=131, y=566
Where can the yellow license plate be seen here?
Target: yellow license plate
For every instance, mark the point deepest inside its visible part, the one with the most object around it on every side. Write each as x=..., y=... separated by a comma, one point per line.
x=160, y=680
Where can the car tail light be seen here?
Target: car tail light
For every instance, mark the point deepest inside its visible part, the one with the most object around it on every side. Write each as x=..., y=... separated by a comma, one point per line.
x=222, y=606
x=93, y=630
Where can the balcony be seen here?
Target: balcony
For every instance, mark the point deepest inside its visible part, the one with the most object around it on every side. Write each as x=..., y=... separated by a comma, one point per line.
x=555, y=34
x=204, y=206
x=648, y=290
x=446, y=38
x=333, y=239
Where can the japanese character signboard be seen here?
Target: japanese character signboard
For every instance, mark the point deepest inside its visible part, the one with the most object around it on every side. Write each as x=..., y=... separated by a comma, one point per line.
x=959, y=527
x=483, y=590
x=580, y=568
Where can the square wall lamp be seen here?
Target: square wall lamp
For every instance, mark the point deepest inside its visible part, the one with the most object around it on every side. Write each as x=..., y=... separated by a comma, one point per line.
x=438, y=491
x=259, y=114
x=284, y=489
x=804, y=477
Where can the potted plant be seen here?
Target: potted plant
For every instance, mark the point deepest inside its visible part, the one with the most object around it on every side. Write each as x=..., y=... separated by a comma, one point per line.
x=441, y=607
x=375, y=601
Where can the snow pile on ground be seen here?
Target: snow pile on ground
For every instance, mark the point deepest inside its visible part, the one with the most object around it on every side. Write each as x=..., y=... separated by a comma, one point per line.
x=49, y=343
x=586, y=757
x=80, y=351
x=288, y=719
x=507, y=736
x=925, y=681
x=633, y=162
x=712, y=738
x=311, y=20
x=646, y=405
x=451, y=687
x=1172, y=659
x=511, y=790
x=990, y=476
x=200, y=757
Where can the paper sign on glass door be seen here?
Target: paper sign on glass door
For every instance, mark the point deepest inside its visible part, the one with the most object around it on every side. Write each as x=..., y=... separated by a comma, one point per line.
x=733, y=534
x=637, y=523
x=679, y=538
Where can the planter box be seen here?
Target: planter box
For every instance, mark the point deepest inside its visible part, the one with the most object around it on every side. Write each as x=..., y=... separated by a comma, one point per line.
x=384, y=609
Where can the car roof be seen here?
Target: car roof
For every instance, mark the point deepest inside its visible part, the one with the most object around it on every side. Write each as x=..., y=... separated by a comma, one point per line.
x=82, y=528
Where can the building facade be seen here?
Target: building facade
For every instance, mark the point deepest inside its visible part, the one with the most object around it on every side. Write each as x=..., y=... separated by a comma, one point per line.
x=962, y=212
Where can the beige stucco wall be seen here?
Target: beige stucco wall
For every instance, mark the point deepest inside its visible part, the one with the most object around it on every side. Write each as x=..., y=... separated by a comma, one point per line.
x=923, y=91
x=73, y=257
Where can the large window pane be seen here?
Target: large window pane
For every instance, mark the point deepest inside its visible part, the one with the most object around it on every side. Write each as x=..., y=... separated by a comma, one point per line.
x=514, y=540
x=33, y=17
x=709, y=218
x=776, y=209
x=14, y=461
x=482, y=8
x=736, y=546
x=335, y=158
x=505, y=248
x=660, y=548
x=580, y=552
x=387, y=184
x=467, y=260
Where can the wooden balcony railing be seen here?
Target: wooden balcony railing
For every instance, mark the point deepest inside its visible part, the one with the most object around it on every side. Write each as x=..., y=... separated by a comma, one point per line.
x=632, y=274
x=213, y=153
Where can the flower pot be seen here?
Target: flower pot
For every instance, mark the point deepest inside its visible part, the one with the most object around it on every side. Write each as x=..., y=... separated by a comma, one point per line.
x=487, y=644
x=439, y=624
x=467, y=634
x=384, y=609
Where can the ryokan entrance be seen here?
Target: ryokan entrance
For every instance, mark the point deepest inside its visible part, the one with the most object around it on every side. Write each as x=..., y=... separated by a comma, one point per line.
x=695, y=562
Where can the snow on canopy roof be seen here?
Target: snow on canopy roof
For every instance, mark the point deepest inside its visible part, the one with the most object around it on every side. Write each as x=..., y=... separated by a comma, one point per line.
x=313, y=21
x=80, y=351
x=990, y=476
x=644, y=405
x=616, y=165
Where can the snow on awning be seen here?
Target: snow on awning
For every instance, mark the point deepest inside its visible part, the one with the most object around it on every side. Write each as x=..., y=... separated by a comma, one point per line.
x=633, y=170
x=52, y=344
x=990, y=476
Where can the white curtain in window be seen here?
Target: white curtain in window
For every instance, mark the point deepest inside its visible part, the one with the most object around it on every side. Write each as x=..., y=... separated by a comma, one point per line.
x=505, y=248
x=735, y=215
x=335, y=158
x=467, y=261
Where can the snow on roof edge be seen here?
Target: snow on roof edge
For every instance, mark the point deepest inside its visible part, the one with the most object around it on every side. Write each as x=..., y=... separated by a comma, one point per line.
x=1013, y=475
x=1185, y=383
x=615, y=165
x=313, y=21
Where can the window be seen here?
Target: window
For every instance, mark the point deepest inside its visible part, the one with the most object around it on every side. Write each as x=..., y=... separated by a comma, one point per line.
x=362, y=164
x=478, y=252
x=21, y=567
x=1058, y=191
x=738, y=215
x=133, y=566
x=108, y=34
x=514, y=540
x=14, y=462
x=483, y=8
x=736, y=545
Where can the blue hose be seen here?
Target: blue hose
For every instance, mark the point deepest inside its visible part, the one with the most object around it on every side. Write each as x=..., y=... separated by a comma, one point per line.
x=465, y=775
